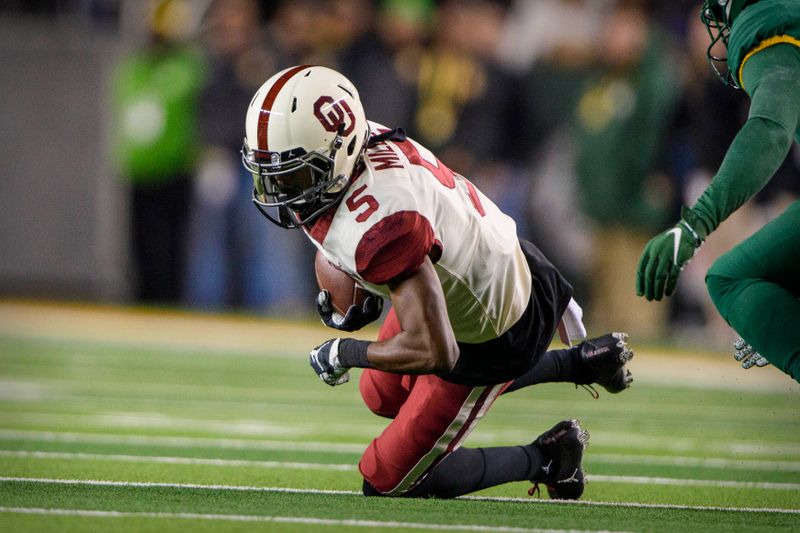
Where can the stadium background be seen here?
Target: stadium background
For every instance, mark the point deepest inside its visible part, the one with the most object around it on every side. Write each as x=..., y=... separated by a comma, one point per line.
x=501, y=90
x=169, y=409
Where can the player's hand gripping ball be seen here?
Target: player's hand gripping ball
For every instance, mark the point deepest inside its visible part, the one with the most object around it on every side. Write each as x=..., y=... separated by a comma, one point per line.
x=342, y=303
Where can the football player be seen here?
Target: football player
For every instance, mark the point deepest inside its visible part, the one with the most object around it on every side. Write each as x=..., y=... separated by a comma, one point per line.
x=474, y=309
x=756, y=285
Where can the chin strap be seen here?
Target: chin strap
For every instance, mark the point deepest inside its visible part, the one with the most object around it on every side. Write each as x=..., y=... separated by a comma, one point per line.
x=397, y=134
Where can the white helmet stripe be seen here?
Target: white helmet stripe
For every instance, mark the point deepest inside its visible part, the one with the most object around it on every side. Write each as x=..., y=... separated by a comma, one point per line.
x=269, y=99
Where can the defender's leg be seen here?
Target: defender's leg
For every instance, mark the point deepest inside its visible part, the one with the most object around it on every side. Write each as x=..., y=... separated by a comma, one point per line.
x=756, y=287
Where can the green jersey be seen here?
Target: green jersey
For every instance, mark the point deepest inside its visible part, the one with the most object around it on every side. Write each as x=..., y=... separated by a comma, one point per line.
x=764, y=47
x=754, y=286
x=620, y=122
x=760, y=25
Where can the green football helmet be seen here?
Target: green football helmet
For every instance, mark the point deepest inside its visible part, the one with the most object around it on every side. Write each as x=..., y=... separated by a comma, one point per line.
x=718, y=15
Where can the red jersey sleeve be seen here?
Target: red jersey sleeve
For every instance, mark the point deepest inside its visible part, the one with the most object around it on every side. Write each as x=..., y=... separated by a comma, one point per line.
x=394, y=247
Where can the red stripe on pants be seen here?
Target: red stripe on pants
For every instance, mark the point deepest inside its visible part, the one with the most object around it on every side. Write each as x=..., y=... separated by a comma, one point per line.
x=431, y=419
x=415, y=440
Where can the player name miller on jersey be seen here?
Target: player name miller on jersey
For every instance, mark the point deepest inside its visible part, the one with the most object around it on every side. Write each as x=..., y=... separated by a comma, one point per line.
x=383, y=156
x=403, y=205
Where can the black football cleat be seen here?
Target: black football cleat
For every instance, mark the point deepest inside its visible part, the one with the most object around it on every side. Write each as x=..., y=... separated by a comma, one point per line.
x=604, y=360
x=747, y=355
x=562, y=452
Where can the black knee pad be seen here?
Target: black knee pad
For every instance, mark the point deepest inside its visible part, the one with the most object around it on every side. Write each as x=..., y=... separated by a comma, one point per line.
x=369, y=490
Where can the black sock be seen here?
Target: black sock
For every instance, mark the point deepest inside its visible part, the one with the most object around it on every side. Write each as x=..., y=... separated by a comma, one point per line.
x=470, y=469
x=553, y=366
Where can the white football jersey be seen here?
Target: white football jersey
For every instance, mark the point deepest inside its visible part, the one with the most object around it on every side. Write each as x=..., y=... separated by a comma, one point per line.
x=405, y=205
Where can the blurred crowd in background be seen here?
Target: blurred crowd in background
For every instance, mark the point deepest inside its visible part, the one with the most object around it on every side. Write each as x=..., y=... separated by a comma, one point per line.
x=588, y=121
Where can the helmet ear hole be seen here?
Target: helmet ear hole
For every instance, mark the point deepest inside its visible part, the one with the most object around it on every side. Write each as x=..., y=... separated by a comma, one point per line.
x=303, y=119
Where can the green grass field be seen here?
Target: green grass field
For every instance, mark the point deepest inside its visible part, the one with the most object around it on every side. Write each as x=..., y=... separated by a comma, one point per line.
x=156, y=421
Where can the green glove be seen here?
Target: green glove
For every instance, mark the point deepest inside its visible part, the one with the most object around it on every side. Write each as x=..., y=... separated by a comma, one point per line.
x=666, y=255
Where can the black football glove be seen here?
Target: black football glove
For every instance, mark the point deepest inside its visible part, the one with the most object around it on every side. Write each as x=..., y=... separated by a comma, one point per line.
x=355, y=318
x=324, y=359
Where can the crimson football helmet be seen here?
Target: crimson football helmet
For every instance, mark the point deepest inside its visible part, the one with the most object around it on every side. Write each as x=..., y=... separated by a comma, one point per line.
x=305, y=135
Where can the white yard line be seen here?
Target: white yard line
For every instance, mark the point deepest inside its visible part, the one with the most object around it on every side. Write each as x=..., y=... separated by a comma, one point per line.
x=147, y=484
x=646, y=480
x=338, y=447
x=366, y=429
x=638, y=505
x=289, y=465
x=280, y=520
x=702, y=462
x=140, y=420
x=244, y=488
x=180, y=442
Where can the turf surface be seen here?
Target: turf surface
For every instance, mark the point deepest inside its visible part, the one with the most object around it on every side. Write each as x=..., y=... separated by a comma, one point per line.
x=113, y=428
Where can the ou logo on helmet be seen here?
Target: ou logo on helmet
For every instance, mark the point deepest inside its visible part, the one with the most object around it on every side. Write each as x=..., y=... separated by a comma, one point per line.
x=333, y=114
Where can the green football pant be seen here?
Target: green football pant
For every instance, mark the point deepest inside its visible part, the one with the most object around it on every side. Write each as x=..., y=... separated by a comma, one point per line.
x=756, y=287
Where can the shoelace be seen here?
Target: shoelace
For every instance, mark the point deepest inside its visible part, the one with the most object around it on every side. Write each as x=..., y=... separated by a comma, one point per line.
x=591, y=390
x=538, y=492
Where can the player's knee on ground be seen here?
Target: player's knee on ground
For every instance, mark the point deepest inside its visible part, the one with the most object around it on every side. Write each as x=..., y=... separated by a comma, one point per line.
x=381, y=476
x=369, y=490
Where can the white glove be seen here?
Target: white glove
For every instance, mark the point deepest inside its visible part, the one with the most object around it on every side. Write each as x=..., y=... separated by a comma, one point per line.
x=571, y=329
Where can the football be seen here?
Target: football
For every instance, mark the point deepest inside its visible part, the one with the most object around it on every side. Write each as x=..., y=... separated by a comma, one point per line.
x=343, y=290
